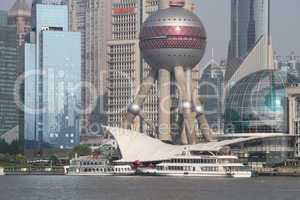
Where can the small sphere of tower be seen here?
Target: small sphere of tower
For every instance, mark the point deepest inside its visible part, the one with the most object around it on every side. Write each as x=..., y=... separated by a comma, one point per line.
x=173, y=37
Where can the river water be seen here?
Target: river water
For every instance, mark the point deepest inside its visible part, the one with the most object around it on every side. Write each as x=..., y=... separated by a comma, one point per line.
x=147, y=188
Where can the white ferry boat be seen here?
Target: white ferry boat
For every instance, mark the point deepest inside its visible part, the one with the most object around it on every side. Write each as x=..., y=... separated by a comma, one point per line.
x=2, y=171
x=192, y=165
x=90, y=166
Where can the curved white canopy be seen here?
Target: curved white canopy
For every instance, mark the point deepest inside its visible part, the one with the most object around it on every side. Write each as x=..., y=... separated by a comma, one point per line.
x=135, y=146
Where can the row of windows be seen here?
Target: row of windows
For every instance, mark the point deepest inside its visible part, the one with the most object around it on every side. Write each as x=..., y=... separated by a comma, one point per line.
x=122, y=19
x=123, y=92
x=107, y=169
x=91, y=163
x=209, y=169
x=125, y=60
x=177, y=168
x=193, y=161
x=125, y=36
x=122, y=76
x=117, y=104
x=187, y=168
x=129, y=28
x=127, y=48
x=122, y=57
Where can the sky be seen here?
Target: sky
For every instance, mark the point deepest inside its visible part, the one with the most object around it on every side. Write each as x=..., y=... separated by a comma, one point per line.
x=215, y=15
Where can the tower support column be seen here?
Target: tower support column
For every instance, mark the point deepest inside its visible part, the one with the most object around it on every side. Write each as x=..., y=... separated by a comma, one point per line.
x=135, y=108
x=164, y=116
x=185, y=97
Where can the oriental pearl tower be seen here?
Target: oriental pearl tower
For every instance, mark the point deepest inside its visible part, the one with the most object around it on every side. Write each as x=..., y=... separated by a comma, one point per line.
x=172, y=40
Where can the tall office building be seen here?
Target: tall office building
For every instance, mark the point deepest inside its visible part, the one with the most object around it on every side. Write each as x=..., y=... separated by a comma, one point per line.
x=124, y=71
x=126, y=67
x=19, y=16
x=211, y=89
x=92, y=18
x=8, y=67
x=77, y=23
x=98, y=33
x=249, y=22
x=250, y=46
x=52, y=80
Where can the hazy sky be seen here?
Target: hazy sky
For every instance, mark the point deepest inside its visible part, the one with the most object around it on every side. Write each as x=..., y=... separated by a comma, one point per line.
x=215, y=15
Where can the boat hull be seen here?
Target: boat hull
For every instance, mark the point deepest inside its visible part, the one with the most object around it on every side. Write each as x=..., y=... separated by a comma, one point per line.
x=100, y=174
x=246, y=174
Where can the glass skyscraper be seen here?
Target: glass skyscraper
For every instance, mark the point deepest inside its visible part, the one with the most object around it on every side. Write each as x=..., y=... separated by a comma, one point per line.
x=52, y=80
x=249, y=22
x=8, y=66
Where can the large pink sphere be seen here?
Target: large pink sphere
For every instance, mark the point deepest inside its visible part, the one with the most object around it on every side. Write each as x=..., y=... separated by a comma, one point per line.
x=173, y=37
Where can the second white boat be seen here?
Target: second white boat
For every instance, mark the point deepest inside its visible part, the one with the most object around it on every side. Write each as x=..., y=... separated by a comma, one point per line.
x=188, y=164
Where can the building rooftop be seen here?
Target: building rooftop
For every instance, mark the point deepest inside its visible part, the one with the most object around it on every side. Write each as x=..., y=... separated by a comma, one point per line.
x=20, y=8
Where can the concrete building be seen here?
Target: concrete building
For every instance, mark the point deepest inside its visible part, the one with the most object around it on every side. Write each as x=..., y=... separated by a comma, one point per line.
x=289, y=63
x=293, y=93
x=126, y=67
x=91, y=18
x=8, y=70
x=98, y=33
x=124, y=72
x=52, y=94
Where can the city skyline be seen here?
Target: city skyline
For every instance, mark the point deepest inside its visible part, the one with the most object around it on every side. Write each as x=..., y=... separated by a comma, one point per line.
x=219, y=19
x=150, y=89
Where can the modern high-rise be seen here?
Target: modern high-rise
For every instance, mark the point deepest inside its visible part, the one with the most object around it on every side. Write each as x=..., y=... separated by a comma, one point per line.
x=8, y=67
x=126, y=68
x=211, y=89
x=77, y=22
x=124, y=71
x=19, y=16
x=52, y=61
x=249, y=22
x=250, y=46
x=92, y=18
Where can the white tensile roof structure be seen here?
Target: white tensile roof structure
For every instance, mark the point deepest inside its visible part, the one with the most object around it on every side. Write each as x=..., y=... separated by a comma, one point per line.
x=135, y=146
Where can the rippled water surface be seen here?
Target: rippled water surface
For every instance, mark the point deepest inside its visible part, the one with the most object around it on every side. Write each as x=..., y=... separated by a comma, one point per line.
x=146, y=188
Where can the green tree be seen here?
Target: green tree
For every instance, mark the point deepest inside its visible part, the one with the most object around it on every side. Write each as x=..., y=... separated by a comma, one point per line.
x=54, y=160
x=81, y=150
x=14, y=148
x=107, y=151
x=4, y=147
x=20, y=159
